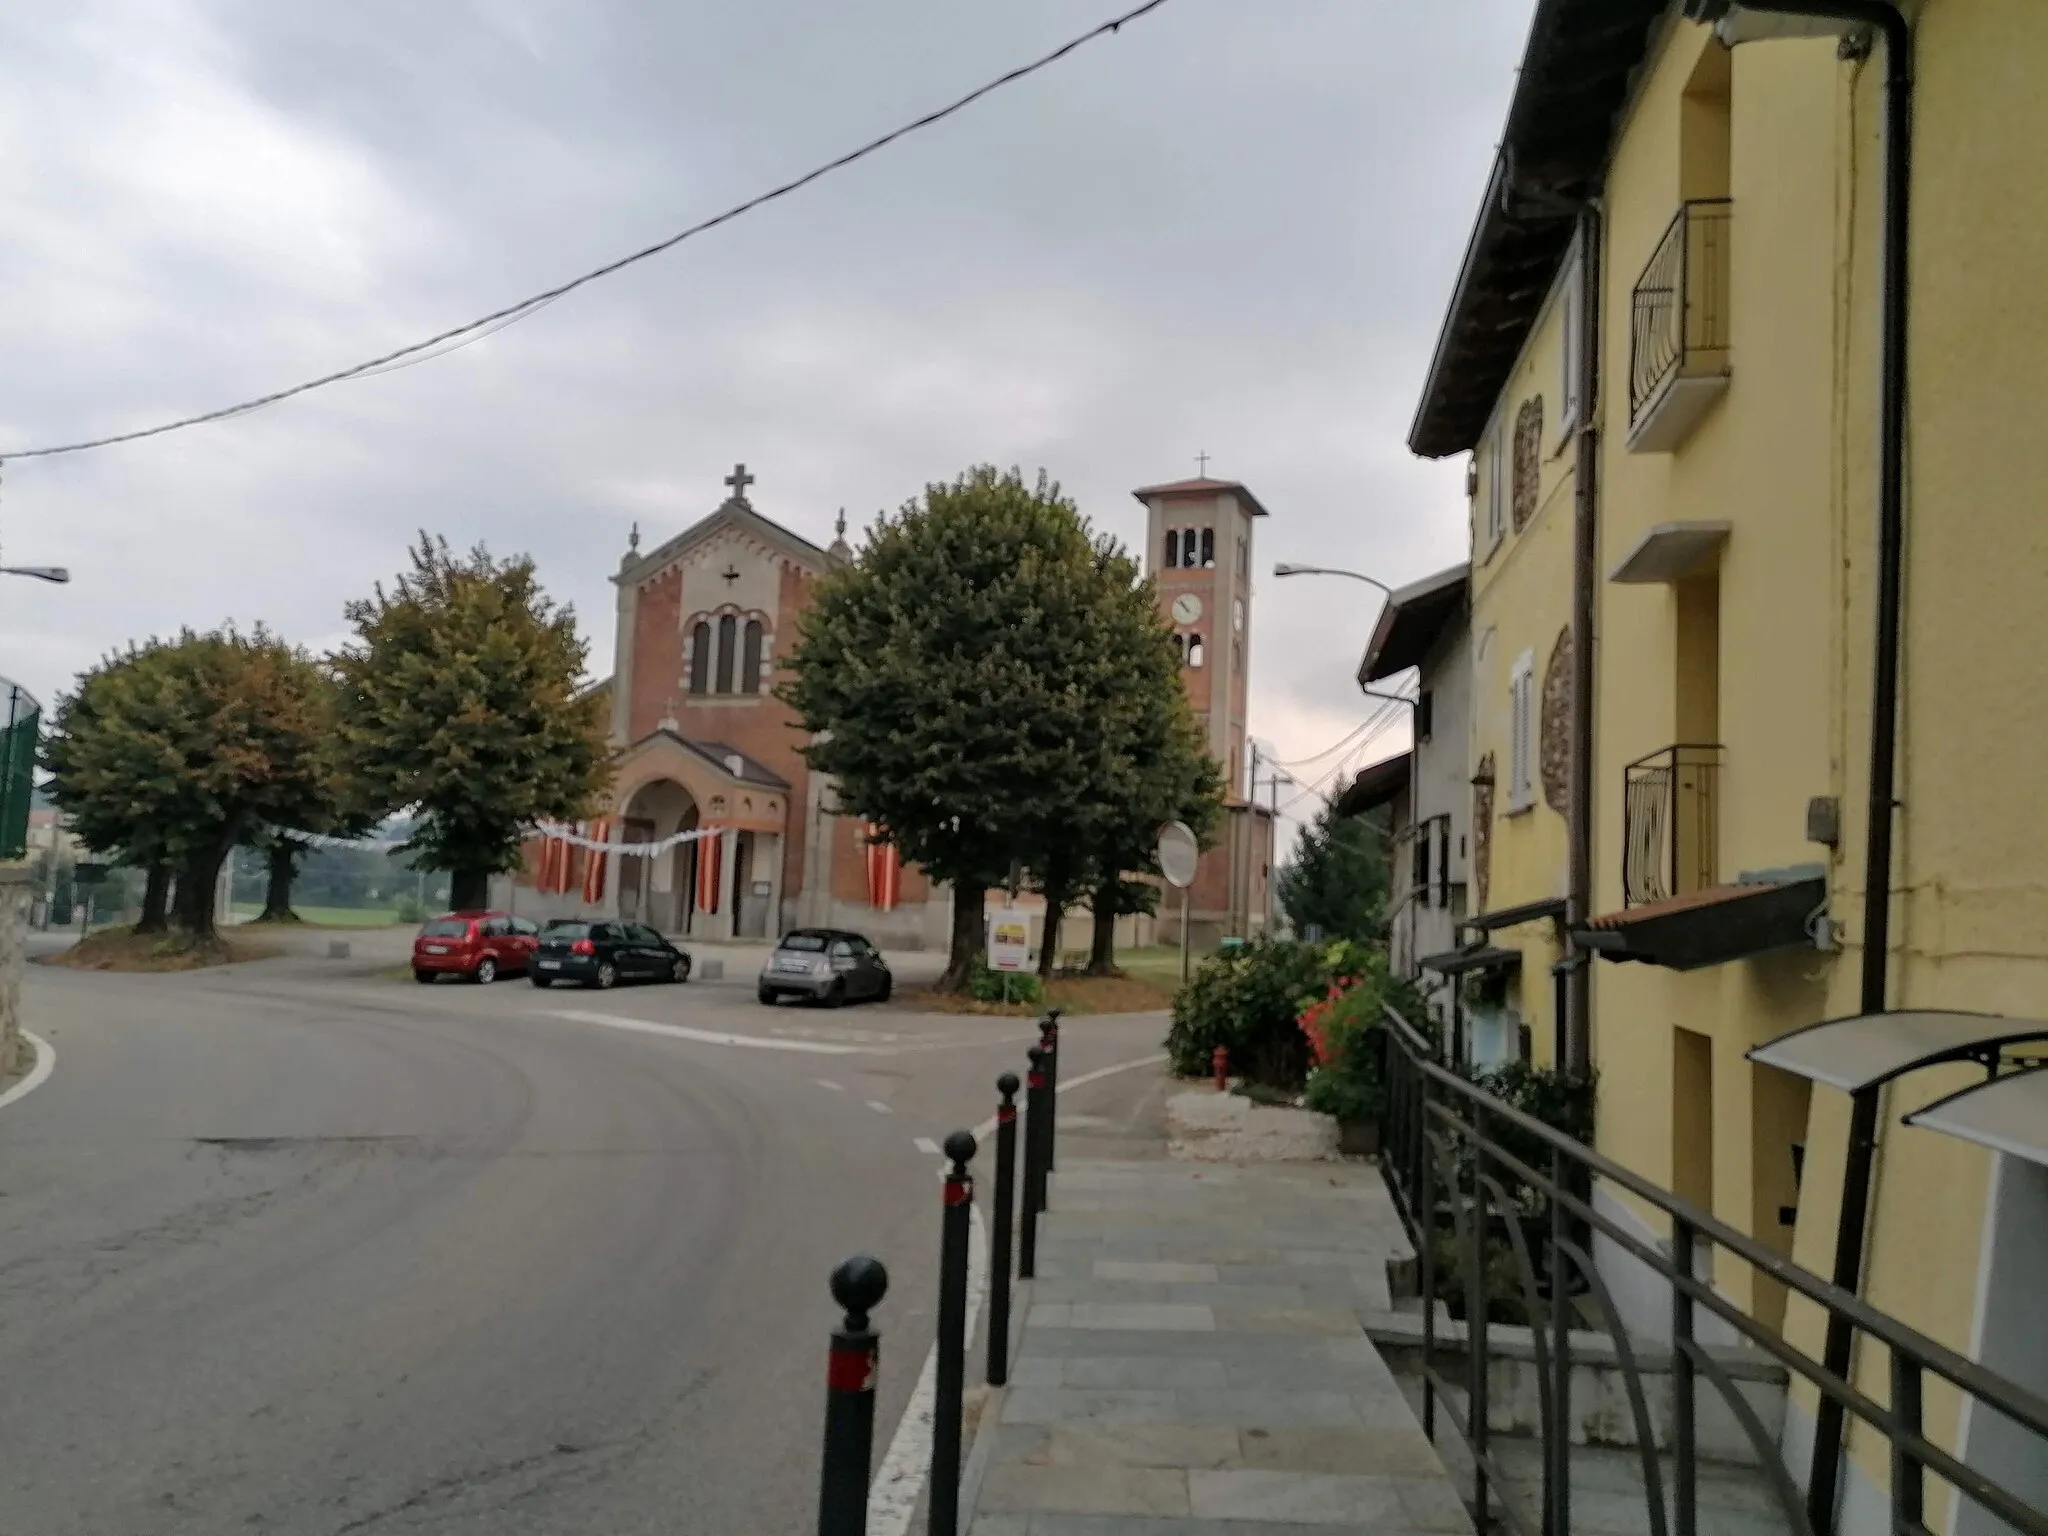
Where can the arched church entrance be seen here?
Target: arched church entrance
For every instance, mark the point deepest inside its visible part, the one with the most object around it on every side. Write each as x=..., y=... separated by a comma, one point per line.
x=658, y=890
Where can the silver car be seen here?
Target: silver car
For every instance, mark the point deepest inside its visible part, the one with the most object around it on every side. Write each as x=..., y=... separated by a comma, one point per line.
x=825, y=965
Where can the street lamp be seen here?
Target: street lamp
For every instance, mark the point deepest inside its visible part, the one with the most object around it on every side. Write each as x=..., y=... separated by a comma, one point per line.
x=57, y=575
x=1287, y=568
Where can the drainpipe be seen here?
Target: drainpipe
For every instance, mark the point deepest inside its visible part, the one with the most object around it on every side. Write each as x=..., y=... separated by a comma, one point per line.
x=1576, y=990
x=1883, y=17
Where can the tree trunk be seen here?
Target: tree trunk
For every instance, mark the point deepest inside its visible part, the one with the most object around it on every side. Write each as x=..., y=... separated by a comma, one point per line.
x=967, y=936
x=469, y=890
x=192, y=907
x=1102, y=957
x=156, y=900
x=1049, y=942
x=277, y=896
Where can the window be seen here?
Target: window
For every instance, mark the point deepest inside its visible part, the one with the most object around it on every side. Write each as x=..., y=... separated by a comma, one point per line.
x=1208, y=547
x=1237, y=614
x=1194, y=650
x=728, y=628
x=1244, y=555
x=1422, y=850
x=1180, y=649
x=1571, y=302
x=1425, y=714
x=1172, y=547
x=700, y=657
x=750, y=659
x=1496, y=484
x=1521, y=735
x=523, y=928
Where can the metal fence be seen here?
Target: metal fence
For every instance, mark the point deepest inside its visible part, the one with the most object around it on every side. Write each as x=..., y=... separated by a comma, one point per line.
x=1670, y=831
x=18, y=739
x=1463, y=1164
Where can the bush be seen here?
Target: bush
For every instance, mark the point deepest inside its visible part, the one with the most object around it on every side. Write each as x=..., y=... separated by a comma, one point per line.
x=1246, y=999
x=1341, y=1028
x=987, y=986
x=407, y=909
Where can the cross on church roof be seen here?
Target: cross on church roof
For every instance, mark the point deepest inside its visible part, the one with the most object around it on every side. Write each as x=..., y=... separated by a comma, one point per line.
x=1202, y=464
x=739, y=480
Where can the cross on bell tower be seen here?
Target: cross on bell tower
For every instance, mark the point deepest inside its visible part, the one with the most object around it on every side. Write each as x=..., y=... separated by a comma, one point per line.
x=739, y=480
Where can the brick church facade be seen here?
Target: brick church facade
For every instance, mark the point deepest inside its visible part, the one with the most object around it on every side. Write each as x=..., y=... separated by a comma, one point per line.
x=703, y=745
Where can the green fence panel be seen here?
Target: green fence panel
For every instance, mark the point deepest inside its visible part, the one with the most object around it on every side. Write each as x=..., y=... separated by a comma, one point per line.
x=18, y=739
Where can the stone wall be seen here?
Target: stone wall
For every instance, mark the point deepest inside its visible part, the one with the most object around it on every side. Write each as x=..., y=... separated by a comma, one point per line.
x=16, y=886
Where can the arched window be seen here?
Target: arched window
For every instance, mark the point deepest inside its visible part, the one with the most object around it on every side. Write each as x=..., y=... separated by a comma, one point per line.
x=1172, y=547
x=750, y=659
x=700, y=657
x=728, y=628
x=1195, y=650
x=1208, y=547
x=1180, y=649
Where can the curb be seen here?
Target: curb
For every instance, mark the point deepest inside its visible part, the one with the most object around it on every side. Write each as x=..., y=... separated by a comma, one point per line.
x=983, y=1450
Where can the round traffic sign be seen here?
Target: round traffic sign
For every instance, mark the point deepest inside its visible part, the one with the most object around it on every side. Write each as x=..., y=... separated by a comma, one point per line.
x=1178, y=854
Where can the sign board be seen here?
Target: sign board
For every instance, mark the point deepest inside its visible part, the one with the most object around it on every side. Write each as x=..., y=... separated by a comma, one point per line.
x=1009, y=940
x=1179, y=853
x=88, y=874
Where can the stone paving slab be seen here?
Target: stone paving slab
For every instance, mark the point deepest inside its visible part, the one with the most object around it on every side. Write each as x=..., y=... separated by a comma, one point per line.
x=1191, y=1364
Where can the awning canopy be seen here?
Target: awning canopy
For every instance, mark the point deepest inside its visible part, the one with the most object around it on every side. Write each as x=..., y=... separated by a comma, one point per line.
x=1508, y=917
x=1709, y=927
x=1375, y=786
x=1872, y=1048
x=2008, y=1114
x=1481, y=957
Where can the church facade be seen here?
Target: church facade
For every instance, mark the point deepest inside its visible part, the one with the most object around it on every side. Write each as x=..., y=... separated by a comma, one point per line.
x=746, y=841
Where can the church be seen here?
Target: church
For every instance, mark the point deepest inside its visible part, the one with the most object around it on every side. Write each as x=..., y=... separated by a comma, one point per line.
x=744, y=842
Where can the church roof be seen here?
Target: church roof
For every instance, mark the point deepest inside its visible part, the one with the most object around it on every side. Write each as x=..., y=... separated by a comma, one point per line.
x=734, y=512
x=749, y=770
x=1202, y=485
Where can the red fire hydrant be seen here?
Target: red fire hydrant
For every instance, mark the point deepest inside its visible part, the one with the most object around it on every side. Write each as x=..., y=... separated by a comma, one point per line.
x=1221, y=1062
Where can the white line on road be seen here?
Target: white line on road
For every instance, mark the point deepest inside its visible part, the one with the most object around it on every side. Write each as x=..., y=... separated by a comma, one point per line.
x=708, y=1036
x=925, y=1145
x=826, y=1082
x=46, y=1063
x=879, y=1107
x=893, y=1496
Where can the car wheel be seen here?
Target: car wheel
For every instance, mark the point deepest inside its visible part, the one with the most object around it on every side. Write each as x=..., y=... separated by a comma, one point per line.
x=835, y=995
x=486, y=972
x=680, y=971
x=607, y=976
x=888, y=986
x=541, y=981
x=424, y=978
x=768, y=995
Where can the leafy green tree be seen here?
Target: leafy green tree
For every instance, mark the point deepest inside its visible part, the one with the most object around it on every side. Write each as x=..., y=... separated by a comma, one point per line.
x=1336, y=881
x=459, y=699
x=173, y=751
x=965, y=690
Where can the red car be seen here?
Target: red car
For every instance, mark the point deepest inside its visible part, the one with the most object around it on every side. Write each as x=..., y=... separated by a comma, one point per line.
x=478, y=946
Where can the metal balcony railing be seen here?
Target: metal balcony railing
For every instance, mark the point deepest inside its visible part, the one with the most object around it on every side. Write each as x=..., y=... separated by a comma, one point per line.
x=1669, y=823
x=1678, y=325
x=1508, y=1201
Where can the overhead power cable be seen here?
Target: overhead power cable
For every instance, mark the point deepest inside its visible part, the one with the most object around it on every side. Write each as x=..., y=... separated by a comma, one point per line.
x=1348, y=738
x=438, y=345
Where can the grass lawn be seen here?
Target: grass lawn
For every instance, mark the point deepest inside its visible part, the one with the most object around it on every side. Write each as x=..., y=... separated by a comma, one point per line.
x=1158, y=964
x=330, y=917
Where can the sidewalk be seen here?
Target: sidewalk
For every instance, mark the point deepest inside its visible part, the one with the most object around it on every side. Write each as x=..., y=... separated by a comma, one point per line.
x=1192, y=1363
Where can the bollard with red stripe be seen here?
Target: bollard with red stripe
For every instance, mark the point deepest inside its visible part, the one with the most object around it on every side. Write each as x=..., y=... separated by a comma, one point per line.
x=1034, y=1173
x=942, y=1497
x=999, y=1244
x=858, y=1285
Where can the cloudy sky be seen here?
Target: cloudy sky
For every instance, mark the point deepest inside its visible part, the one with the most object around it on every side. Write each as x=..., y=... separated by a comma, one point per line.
x=1232, y=227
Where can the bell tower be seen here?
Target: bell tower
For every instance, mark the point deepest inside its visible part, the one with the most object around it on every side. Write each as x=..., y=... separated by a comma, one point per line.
x=1199, y=544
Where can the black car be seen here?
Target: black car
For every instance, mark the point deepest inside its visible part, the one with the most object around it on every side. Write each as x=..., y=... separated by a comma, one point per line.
x=604, y=954
x=826, y=965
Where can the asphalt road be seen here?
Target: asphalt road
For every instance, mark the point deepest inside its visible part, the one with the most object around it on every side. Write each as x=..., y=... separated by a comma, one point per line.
x=301, y=1250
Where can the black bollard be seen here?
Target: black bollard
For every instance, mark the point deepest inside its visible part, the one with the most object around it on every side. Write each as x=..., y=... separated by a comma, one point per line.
x=1027, y=1202
x=999, y=1244
x=943, y=1495
x=858, y=1286
x=1049, y=1042
x=1037, y=1112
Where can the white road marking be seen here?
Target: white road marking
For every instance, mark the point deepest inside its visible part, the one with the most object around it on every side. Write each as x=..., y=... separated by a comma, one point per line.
x=826, y=1082
x=925, y=1145
x=46, y=1063
x=879, y=1107
x=893, y=1496
x=898, y=1484
x=706, y=1036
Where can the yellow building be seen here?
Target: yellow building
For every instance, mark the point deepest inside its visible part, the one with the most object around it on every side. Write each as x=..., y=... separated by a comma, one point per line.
x=1707, y=186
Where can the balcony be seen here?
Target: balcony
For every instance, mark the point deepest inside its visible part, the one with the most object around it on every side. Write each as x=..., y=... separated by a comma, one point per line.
x=1678, y=328
x=1669, y=830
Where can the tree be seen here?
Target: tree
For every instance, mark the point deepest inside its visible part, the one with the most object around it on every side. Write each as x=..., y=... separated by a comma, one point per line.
x=459, y=699
x=958, y=685
x=1181, y=782
x=172, y=752
x=1337, y=878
